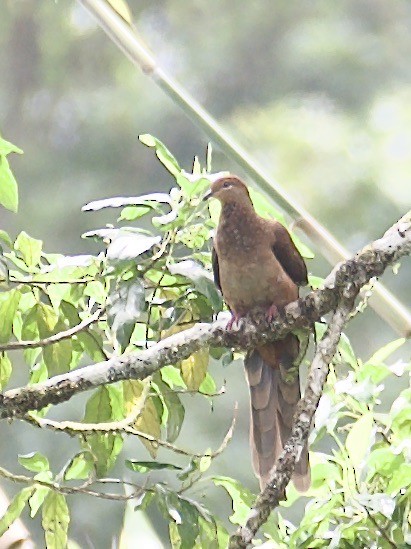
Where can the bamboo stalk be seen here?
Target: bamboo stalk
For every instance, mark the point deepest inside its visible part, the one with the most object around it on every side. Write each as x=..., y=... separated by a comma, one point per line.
x=386, y=305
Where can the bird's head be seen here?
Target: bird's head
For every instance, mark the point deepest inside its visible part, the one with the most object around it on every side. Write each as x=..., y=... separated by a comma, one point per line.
x=229, y=188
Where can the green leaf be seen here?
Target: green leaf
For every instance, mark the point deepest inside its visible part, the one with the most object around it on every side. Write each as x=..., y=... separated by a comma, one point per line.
x=162, y=153
x=241, y=497
x=8, y=186
x=175, y=538
x=202, y=279
x=194, y=369
x=6, y=148
x=176, y=413
x=129, y=245
x=121, y=201
x=106, y=404
x=34, y=461
x=92, y=343
x=38, y=373
x=147, y=466
x=192, y=467
x=208, y=386
x=264, y=207
x=383, y=462
x=30, y=248
x=124, y=308
x=192, y=186
x=304, y=250
x=185, y=514
x=359, y=440
x=205, y=463
x=401, y=479
x=214, y=207
x=57, y=357
x=15, y=509
x=4, y=237
x=315, y=282
x=97, y=291
x=374, y=372
x=213, y=534
x=382, y=354
x=37, y=499
x=5, y=370
x=55, y=520
x=46, y=319
x=80, y=467
x=131, y=213
x=4, y=270
x=188, y=528
x=347, y=352
x=149, y=420
x=9, y=302
x=400, y=414
x=172, y=376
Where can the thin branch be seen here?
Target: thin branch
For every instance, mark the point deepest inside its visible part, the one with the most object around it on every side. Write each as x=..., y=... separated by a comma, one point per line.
x=348, y=276
x=73, y=428
x=70, y=490
x=31, y=282
x=55, y=338
x=127, y=39
x=280, y=476
x=380, y=529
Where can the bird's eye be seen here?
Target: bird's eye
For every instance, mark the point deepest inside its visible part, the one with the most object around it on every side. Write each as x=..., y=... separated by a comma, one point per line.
x=226, y=184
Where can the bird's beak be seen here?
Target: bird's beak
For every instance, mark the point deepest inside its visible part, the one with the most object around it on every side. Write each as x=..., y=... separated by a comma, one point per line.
x=208, y=195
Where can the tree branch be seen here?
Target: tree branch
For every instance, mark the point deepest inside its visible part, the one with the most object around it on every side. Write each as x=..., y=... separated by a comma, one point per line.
x=273, y=493
x=55, y=338
x=74, y=428
x=69, y=490
x=347, y=277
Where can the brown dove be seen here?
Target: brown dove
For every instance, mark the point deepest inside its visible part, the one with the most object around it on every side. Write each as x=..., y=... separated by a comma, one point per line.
x=257, y=267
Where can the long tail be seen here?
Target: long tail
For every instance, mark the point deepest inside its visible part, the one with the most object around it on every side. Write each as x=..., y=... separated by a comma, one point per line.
x=273, y=403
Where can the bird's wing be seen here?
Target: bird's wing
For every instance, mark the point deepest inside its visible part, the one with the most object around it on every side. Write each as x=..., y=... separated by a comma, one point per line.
x=216, y=270
x=288, y=255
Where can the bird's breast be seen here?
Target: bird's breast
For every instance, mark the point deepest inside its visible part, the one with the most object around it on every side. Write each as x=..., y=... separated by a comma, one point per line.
x=253, y=278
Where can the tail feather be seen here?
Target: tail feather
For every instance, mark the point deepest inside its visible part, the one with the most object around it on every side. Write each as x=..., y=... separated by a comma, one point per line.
x=273, y=403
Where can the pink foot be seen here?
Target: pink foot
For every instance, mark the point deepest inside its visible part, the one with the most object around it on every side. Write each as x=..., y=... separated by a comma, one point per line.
x=235, y=317
x=271, y=313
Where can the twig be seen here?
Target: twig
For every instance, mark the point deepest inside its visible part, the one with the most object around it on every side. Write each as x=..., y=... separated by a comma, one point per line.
x=380, y=528
x=55, y=338
x=348, y=276
x=273, y=493
x=70, y=490
x=75, y=428
x=40, y=282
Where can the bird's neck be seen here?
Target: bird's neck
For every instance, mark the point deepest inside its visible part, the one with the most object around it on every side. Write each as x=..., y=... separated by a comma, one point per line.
x=236, y=227
x=237, y=210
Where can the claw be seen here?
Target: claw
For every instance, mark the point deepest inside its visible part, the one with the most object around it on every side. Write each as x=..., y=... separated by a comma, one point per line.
x=233, y=320
x=271, y=313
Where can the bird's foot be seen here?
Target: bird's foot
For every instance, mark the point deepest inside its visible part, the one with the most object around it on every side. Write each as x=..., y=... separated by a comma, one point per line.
x=271, y=313
x=235, y=317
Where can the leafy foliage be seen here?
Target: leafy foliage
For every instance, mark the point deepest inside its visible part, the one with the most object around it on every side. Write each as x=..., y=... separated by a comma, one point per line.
x=8, y=184
x=148, y=284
